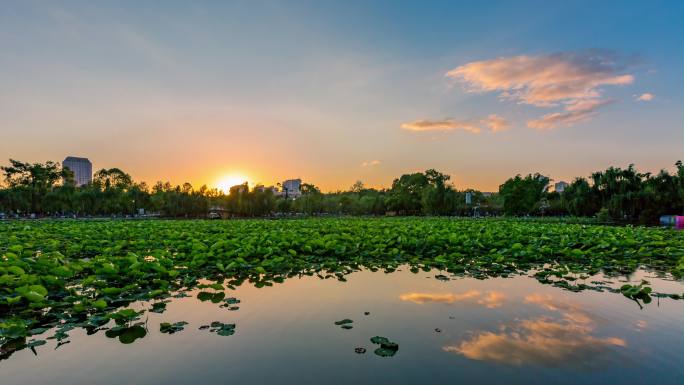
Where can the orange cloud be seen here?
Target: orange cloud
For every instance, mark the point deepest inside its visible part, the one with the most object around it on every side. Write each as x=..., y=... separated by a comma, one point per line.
x=496, y=123
x=493, y=122
x=492, y=300
x=568, y=341
x=571, y=80
x=538, y=341
x=568, y=310
x=544, y=80
x=370, y=163
x=447, y=298
x=441, y=125
x=645, y=97
x=575, y=112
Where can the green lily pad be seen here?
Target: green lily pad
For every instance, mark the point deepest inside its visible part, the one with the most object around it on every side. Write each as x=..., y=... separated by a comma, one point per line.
x=127, y=335
x=158, y=307
x=171, y=328
x=387, y=348
x=222, y=329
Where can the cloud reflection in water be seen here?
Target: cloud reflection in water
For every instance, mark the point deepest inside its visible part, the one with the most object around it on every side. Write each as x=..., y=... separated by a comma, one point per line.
x=490, y=299
x=566, y=339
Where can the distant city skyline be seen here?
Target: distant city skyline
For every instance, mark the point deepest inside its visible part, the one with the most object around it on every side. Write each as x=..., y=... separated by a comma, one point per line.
x=332, y=92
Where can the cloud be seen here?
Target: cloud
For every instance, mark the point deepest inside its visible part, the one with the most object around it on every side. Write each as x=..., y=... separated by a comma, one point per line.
x=491, y=300
x=370, y=163
x=539, y=341
x=641, y=325
x=544, y=80
x=448, y=298
x=569, y=310
x=567, y=341
x=493, y=122
x=571, y=80
x=645, y=97
x=441, y=125
x=575, y=112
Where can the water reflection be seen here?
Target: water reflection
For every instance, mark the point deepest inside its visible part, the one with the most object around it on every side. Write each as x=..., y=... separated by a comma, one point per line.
x=490, y=299
x=640, y=325
x=566, y=338
x=448, y=298
x=127, y=335
x=513, y=328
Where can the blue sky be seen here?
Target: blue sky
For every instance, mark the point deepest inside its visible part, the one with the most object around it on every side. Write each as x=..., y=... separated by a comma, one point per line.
x=334, y=92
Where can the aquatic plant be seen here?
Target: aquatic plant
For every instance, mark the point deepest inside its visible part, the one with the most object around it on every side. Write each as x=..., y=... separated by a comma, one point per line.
x=58, y=275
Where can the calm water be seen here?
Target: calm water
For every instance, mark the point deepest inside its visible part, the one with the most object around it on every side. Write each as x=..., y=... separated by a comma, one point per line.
x=505, y=330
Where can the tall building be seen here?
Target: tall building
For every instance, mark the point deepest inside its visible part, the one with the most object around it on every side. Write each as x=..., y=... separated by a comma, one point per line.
x=81, y=167
x=560, y=186
x=292, y=188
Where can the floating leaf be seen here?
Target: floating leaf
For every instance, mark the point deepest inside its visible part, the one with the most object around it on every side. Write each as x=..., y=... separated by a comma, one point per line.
x=170, y=328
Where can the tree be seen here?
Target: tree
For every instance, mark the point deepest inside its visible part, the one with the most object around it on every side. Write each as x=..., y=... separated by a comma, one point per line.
x=112, y=178
x=35, y=179
x=406, y=193
x=311, y=200
x=522, y=195
x=357, y=187
x=437, y=197
x=579, y=198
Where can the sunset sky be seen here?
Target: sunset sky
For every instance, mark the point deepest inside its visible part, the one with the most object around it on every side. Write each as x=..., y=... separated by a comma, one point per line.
x=338, y=91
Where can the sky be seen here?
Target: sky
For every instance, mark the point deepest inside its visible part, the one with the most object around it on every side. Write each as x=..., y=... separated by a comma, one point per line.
x=338, y=91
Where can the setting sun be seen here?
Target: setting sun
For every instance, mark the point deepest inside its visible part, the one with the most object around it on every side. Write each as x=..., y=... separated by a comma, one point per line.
x=227, y=181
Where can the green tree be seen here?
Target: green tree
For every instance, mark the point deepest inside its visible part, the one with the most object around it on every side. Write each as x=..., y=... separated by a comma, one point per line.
x=406, y=193
x=579, y=198
x=35, y=180
x=522, y=195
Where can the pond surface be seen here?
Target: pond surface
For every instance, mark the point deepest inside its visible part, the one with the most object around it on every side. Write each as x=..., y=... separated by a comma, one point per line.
x=461, y=330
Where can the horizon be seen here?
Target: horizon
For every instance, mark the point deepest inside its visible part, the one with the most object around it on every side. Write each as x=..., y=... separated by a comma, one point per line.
x=335, y=93
x=224, y=182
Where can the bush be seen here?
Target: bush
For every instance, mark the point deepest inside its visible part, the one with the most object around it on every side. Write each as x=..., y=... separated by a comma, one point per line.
x=603, y=216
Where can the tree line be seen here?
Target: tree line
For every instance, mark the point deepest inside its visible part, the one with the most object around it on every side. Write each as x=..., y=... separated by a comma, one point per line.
x=616, y=194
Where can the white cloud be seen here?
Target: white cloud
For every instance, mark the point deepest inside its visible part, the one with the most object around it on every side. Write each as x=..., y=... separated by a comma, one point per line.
x=645, y=97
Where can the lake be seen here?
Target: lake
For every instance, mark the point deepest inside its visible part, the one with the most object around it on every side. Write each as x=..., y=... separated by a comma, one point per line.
x=448, y=329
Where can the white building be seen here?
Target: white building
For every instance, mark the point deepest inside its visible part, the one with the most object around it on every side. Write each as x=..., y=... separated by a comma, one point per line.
x=560, y=186
x=82, y=169
x=292, y=188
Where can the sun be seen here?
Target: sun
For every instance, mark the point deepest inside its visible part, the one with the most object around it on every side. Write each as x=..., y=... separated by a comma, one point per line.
x=225, y=182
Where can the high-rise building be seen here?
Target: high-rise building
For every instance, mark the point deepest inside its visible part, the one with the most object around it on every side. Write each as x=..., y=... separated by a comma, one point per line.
x=82, y=169
x=560, y=186
x=292, y=188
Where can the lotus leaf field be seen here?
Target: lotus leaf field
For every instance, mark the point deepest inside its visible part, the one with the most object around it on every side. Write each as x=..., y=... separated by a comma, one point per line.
x=59, y=275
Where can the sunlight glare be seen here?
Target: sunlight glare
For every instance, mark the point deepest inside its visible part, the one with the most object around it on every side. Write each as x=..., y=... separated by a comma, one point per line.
x=227, y=181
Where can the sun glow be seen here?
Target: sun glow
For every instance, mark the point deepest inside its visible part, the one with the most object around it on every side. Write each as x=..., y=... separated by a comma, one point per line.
x=227, y=181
